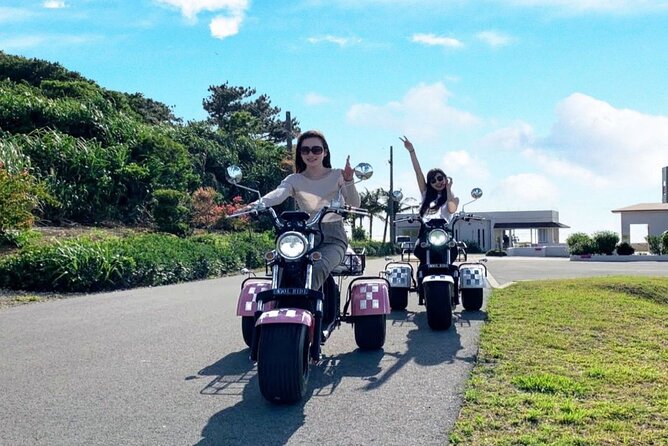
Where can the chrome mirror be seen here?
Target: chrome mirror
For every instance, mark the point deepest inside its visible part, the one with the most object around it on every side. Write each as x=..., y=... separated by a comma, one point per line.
x=476, y=193
x=363, y=171
x=233, y=174
x=397, y=195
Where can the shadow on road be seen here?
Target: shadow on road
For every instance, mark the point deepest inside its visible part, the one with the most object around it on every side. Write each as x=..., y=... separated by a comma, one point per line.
x=423, y=345
x=253, y=420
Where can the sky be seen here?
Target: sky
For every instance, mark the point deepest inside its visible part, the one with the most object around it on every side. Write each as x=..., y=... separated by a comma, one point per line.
x=544, y=104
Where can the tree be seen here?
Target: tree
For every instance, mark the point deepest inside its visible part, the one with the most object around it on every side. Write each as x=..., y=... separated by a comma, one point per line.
x=404, y=204
x=225, y=102
x=373, y=202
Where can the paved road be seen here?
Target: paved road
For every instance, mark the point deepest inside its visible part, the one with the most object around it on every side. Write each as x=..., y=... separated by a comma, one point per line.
x=504, y=270
x=168, y=366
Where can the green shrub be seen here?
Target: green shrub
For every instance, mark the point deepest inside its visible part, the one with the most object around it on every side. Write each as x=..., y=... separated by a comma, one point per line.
x=625, y=249
x=473, y=247
x=580, y=243
x=664, y=242
x=605, y=242
x=84, y=265
x=17, y=238
x=359, y=233
x=496, y=253
x=20, y=195
x=654, y=243
x=171, y=213
x=374, y=248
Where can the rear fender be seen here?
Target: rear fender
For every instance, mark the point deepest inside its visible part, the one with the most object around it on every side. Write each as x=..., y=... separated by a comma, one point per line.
x=369, y=296
x=399, y=275
x=472, y=275
x=247, y=304
x=438, y=278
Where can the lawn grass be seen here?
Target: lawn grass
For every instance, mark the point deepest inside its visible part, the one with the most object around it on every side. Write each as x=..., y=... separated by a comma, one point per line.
x=571, y=362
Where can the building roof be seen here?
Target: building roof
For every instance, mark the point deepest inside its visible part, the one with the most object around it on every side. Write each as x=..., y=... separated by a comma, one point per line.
x=644, y=207
x=530, y=225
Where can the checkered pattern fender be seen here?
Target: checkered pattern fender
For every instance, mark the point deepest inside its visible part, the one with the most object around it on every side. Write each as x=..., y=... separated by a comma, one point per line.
x=369, y=297
x=471, y=276
x=399, y=276
x=246, y=305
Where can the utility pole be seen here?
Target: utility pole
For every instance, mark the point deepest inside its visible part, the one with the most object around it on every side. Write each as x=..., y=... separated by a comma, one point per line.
x=390, y=200
x=288, y=130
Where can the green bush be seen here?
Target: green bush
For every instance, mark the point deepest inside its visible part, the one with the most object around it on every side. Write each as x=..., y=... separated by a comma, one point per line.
x=374, y=248
x=654, y=243
x=171, y=212
x=580, y=243
x=496, y=253
x=359, y=233
x=605, y=242
x=625, y=249
x=664, y=242
x=473, y=247
x=85, y=265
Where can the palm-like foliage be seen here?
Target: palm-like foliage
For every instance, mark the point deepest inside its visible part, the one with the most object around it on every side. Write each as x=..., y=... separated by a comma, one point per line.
x=373, y=202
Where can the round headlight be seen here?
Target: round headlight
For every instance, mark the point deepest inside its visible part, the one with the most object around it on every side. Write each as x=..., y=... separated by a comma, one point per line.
x=291, y=245
x=438, y=237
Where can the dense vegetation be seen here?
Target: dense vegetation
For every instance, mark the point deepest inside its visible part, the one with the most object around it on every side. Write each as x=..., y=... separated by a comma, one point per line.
x=102, y=155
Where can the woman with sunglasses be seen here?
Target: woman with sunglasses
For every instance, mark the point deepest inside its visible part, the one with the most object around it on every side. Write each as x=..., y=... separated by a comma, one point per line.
x=314, y=185
x=438, y=201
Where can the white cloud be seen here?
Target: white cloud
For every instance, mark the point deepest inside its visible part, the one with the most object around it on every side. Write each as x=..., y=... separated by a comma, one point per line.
x=8, y=15
x=221, y=26
x=516, y=137
x=552, y=165
x=434, y=40
x=525, y=190
x=461, y=164
x=53, y=4
x=605, y=6
x=495, y=39
x=31, y=41
x=423, y=113
x=612, y=143
x=315, y=99
x=341, y=41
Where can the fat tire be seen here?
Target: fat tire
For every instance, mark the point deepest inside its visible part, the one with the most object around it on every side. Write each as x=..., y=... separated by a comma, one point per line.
x=370, y=331
x=438, y=300
x=398, y=298
x=247, y=327
x=283, y=362
x=472, y=299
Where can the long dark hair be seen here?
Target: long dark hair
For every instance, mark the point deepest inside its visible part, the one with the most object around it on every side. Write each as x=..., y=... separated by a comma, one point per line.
x=300, y=165
x=432, y=194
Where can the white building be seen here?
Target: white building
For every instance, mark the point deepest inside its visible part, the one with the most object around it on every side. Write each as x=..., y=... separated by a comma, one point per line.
x=653, y=217
x=497, y=230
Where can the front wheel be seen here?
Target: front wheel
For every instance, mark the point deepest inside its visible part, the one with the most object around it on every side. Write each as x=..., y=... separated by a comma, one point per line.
x=247, y=327
x=370, y=331
x=282, y=362
x=398, y=298
x=438, y=299
x=472, y=299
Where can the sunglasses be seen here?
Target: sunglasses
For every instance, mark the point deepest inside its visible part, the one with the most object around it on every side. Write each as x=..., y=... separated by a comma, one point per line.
x=316, y=150
x=436, y=179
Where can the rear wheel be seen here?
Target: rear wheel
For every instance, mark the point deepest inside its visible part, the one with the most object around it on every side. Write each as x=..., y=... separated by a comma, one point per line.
x=370, y=331
x=438, y=299
x=282, y=362
x=247, y=327
x=472, y=299
x=398, y=298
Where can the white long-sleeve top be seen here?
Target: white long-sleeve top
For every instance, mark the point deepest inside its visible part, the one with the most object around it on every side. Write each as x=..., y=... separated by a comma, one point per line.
x=313, y=195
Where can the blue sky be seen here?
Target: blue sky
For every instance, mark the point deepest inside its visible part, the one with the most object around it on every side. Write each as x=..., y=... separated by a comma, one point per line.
x=544, y=104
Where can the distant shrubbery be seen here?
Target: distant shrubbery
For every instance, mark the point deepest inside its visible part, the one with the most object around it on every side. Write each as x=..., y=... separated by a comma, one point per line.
x=602, y=242
x=85, y=264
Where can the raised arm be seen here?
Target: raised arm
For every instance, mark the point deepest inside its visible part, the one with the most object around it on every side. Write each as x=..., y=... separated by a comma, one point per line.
x=419, y=176
x=349, y=190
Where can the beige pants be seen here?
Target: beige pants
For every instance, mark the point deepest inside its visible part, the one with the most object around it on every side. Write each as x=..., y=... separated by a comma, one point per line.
x=333, y=250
